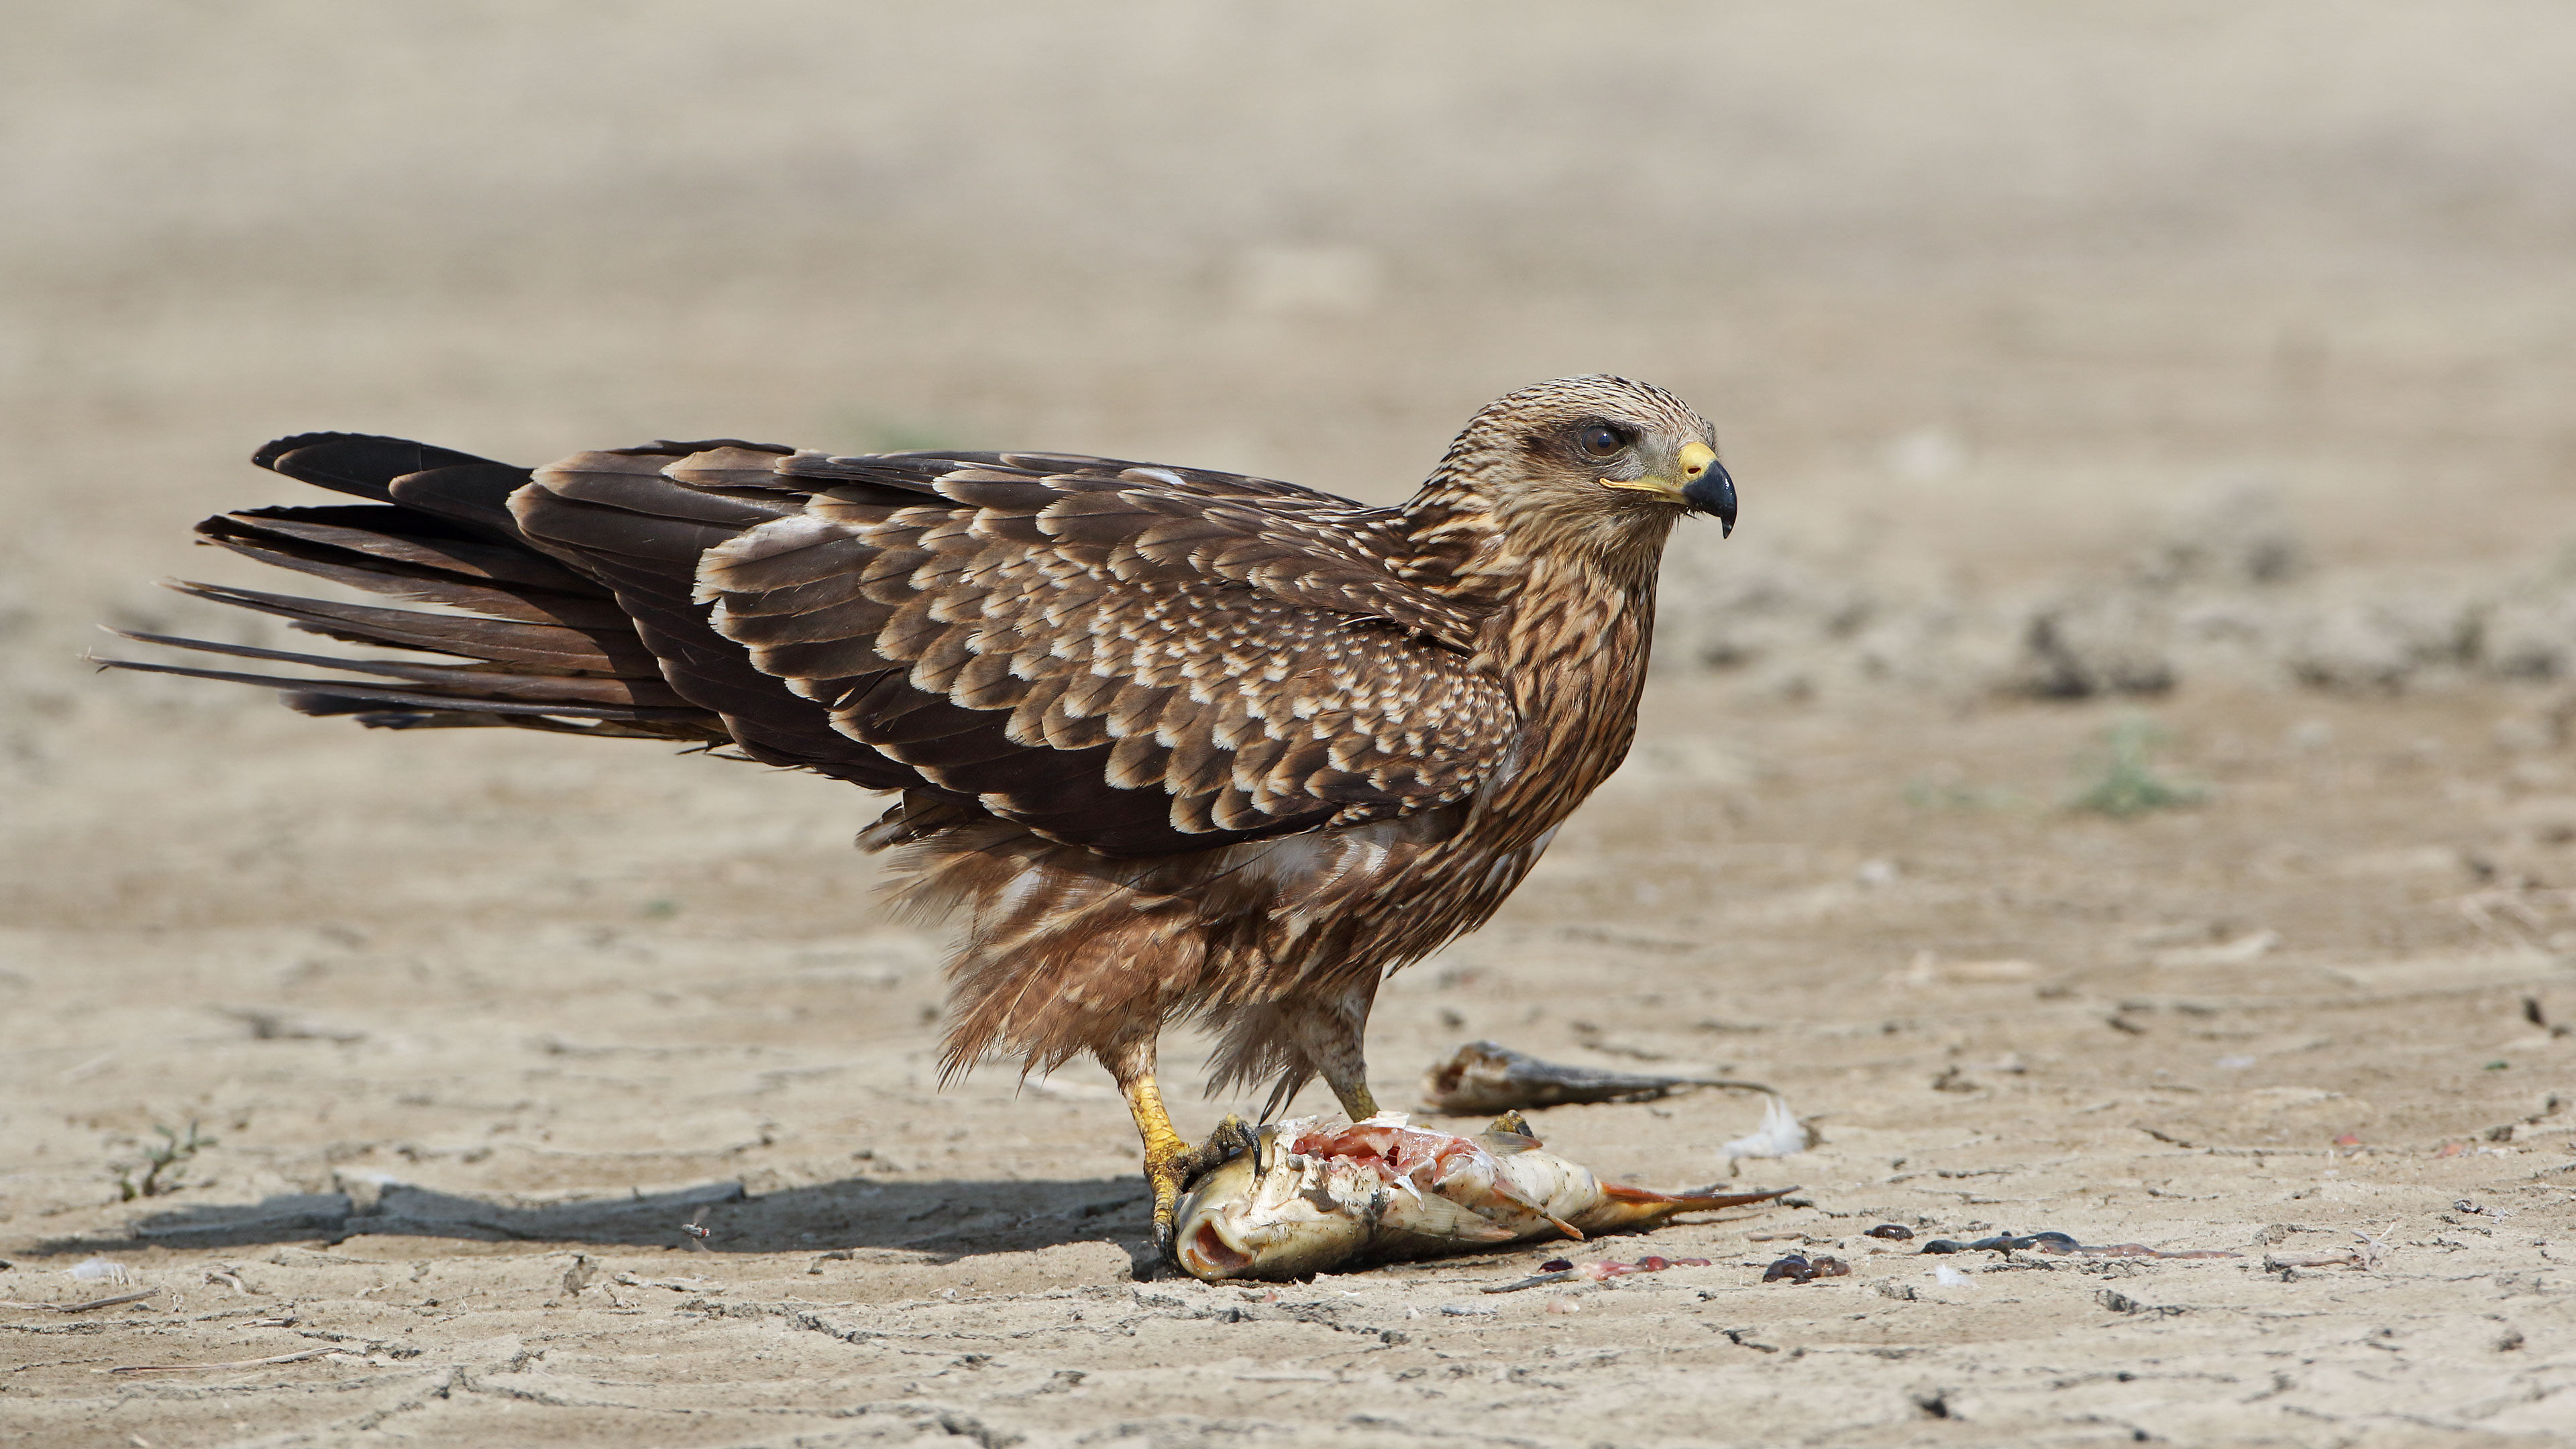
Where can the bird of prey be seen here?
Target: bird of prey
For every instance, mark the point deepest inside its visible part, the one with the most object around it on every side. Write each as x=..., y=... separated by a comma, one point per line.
x=1172, y=743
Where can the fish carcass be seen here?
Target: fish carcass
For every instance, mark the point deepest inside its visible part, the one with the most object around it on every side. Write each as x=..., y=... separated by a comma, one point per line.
x=1486, y=1076
x=1316, y=1193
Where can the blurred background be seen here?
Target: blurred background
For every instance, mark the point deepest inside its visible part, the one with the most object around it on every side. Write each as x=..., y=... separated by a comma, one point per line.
x=2058, y=349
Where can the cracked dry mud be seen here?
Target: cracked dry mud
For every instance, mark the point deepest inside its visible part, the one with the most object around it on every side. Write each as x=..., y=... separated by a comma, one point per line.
x=576, y=1038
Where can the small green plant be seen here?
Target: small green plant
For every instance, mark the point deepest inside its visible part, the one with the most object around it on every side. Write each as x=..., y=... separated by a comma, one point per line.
x=1928, y=794
x=1945, y=786
x=2120, y=780
x=164, y=1163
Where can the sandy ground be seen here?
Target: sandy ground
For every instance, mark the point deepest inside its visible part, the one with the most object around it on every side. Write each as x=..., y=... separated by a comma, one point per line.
x=480, y=1027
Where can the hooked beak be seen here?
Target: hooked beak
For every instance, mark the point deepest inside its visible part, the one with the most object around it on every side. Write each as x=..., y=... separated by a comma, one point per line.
x=1701, y=485
x=1707, y=487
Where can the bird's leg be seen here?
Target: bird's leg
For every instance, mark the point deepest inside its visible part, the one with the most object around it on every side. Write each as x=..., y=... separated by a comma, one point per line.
x=1170, y=1162
x=1164, y=1149
x=1353, y=1091
x=1329, y=1037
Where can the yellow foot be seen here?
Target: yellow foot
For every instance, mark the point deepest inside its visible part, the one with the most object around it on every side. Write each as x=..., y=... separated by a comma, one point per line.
x=1171, y=1166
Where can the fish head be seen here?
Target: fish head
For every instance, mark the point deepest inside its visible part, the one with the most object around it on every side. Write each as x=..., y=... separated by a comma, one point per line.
x=1269, y=1213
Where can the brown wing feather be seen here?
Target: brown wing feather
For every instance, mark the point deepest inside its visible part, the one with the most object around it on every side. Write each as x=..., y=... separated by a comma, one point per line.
x=1136, y=659
x=1293, y=544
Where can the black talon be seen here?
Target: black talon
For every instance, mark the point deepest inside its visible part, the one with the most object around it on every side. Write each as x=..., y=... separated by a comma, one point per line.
x=1227, y=1141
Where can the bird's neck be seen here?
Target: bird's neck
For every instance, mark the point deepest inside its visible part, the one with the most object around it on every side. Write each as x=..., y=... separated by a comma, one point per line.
x=1566, y=627
x=1466, y=545
x=1456, y=547
x=1568, y=637
x=1570, y=643
x=1567, y=608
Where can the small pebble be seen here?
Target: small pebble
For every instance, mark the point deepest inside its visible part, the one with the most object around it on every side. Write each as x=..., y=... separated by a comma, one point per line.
x=2046, y=1242
x=1556, y=1265
x=1798, y=1269
x=1898, y=1231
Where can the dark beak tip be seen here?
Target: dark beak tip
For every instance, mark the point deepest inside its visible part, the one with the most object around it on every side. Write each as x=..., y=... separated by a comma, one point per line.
x=1713, y=493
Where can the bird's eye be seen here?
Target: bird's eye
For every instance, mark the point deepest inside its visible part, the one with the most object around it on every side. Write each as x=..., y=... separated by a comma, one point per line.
x=1601, y=440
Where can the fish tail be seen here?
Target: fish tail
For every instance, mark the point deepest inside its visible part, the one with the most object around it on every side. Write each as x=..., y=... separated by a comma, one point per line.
x=1691, y=1200
x=1633, y=1207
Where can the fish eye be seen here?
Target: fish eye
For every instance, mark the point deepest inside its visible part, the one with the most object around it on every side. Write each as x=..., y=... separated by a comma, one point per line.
x=1601, y=440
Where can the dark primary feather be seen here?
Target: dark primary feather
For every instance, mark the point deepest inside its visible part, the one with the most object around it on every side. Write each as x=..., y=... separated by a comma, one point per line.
x=356, y=462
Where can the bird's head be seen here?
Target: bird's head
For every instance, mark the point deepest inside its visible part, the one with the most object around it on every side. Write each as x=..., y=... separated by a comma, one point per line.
x=1598, y=461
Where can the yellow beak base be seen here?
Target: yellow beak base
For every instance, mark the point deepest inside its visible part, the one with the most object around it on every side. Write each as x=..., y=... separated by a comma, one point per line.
x=1693, y=460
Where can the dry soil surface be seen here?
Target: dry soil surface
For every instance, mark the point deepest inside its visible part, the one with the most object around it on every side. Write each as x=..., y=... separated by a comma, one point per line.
x=462, y=1050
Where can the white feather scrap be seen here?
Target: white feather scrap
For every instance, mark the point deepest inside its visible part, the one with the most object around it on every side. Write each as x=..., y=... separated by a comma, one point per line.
x=1780, y=1135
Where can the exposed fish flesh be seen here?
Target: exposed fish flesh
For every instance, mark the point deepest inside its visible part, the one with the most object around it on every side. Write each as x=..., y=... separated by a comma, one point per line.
x=1317, y=1193
x=1485, y=1077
